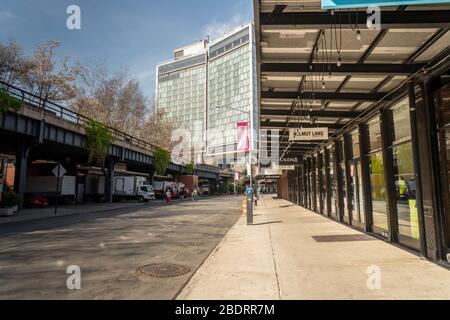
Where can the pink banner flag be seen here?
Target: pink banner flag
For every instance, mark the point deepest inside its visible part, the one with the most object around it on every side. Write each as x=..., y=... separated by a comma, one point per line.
x=243, y=135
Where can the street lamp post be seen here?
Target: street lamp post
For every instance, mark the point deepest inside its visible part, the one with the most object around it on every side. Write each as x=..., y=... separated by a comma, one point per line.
x=250, y=161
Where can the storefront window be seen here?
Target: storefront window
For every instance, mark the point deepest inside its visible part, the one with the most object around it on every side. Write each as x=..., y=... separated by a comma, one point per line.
x=403, y=170
x=402, y=125
x=378, y=187
x=374, y=134
x=355, y=144
x=405, y=185
x=377, y=178
x=342, y=184
x=332, y=182
x=324, y=186
x=356, y=189
x=344, y=189
x=317, y=189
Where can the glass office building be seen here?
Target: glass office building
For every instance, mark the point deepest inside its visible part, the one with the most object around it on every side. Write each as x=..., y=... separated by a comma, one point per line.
x=181, y=90
x=209, y=89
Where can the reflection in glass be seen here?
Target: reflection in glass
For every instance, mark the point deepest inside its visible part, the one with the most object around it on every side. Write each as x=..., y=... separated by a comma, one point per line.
x=354, y=136
x=374, y=135
x=324, y=194
x=405, y=186
x=378, y=190
x=344, y=189
x=317, y=191
x=362, y=217
x=356, y=204
x=332, y=192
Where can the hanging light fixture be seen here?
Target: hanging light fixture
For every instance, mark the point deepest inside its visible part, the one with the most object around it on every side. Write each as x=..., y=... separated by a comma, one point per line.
x=358, y=35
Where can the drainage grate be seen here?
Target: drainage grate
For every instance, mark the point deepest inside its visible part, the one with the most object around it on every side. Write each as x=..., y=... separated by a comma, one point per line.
x=343, y=238
x=163, y=270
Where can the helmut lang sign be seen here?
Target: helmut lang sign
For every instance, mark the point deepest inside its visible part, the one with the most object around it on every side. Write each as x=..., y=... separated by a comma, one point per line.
x=308, y=134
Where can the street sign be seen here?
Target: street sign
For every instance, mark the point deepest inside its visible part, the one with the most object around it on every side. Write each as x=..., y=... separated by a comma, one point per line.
x=286, y=168
x=59, y=171
x=308, y=134
x=343, y=4
x=290, y=161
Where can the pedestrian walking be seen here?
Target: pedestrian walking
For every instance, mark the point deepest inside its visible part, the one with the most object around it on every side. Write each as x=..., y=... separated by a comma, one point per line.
x=194, y=195
x=168, y=196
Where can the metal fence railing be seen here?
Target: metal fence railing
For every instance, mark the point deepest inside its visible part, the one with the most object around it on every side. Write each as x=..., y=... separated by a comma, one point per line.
x=71, y=116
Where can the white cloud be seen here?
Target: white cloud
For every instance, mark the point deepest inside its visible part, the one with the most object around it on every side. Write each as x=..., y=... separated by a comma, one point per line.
x=216, y=29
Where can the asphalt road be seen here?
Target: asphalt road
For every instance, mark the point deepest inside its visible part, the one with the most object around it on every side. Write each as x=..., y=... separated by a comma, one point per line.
x=109, y=248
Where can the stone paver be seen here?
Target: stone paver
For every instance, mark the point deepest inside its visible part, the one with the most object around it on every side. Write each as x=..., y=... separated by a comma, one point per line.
x=278, y=258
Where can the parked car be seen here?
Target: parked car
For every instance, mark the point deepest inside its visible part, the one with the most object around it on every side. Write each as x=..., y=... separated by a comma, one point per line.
x=203, y=190
x=36, y=202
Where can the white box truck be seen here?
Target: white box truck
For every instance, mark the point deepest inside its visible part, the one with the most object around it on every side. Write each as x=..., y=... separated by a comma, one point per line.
x=46, y=187
x=129, y=188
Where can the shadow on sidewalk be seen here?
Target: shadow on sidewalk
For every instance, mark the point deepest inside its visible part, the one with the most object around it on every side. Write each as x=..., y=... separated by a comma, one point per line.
x=266, y=223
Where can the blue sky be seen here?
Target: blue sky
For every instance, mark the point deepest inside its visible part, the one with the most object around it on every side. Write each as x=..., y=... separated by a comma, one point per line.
x=137, y=34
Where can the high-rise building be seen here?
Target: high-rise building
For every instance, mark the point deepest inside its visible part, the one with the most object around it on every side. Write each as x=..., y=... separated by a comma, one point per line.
x=208, y=88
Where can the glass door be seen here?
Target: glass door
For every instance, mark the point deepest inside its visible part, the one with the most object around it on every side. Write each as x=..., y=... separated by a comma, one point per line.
x=356, y=205
x=442, y=101
x=404, y=178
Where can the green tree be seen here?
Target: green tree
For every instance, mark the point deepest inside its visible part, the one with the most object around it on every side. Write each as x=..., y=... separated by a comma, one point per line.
x=190, y=168
x=98, y=139
x=162, y=158
x=8, y=103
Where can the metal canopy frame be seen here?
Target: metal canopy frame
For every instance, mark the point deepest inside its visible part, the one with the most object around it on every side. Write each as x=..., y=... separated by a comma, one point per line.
x=391, y=19
x=281, y=17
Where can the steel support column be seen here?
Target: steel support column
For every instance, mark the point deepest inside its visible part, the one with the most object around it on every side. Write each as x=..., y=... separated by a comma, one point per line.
x=338, y=179
x=348, y=187
x=320, y=168
x=315, y=168
x=328, y=186
x=386, y=121
x=20, y=178
x=109, y=180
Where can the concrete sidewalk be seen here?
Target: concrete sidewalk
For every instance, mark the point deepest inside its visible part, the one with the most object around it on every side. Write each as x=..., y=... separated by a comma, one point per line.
x=44, y=213
x=278, y=258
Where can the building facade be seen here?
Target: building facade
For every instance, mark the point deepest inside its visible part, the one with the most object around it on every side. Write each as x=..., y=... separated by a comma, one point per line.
x=383, y=95
x=208, y=88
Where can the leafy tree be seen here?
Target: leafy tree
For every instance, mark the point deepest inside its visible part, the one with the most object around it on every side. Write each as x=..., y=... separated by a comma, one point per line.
x=13, y=64
x=162, y=158
x=50, y=79
x=157, y=130
x=190, y=168
x=113, y=99
x=8, y=103
x=98, y=139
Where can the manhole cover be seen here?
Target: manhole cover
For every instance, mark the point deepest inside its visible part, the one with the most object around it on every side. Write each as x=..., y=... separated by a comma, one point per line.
x=163, y=270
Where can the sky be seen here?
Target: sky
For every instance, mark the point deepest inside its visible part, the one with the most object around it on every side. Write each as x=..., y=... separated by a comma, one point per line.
x=132, y=34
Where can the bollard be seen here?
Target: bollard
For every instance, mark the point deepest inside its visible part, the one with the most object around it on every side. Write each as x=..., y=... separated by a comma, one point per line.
x=249, y=211
x=244, y=206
